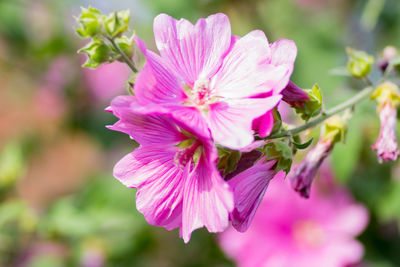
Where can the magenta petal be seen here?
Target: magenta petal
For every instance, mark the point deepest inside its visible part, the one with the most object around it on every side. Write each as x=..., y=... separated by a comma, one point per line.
x=207, y=201
x=249, y=187
x=156, y=83
x=264, y=124
x=231, y=121
x=193, y=50
x=151, y=129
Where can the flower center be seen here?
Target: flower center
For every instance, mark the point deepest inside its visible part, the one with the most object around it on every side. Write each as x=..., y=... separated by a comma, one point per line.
x=200, y=94
x=308, y=233
x=189, y=152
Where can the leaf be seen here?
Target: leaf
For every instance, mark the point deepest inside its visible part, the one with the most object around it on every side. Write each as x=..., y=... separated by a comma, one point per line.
x=304, y=145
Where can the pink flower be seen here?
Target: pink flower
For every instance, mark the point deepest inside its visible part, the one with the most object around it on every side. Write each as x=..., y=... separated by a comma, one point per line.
x=386, y=146
x=211, y=80
x=248, y=188
x=290, y=231
x=174, y=171
x=303, y=175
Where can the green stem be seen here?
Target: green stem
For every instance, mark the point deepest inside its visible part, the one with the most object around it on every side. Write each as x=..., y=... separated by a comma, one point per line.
x=329, y=113
x=124, y=56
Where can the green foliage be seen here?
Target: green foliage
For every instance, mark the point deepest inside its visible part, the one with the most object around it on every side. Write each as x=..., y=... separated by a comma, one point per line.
x=359, y=63
x=313, y=106
x=11, y=165
x=281, y=152
x=228, y=159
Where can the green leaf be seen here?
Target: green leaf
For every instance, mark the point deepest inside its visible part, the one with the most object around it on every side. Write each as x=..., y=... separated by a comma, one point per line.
x=228, y=159
x=304, y=145
x=280, y=152
x=116, y=23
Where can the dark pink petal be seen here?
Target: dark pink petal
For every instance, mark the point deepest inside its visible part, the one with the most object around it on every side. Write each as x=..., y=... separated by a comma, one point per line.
x=155, y=82
x=231, y=121
x=245, y=71
x=294, y=95
x=249, y=187
x=264, y=124
x=159, y=182
x=145, y=129
x=193, y=50
x=207, y=201
x=283, y=54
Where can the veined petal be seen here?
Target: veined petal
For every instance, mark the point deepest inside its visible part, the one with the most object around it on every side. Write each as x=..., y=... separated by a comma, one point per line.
x=231, y=121
x=245, y=71
x=207, y=201
x=193, y=50
x=249, y=187
x=152, y=129
x=156, y=83
x=283, y=54
x=159, y=181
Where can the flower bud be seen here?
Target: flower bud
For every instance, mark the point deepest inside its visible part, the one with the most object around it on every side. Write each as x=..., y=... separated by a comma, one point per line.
x=90, y=22
x=359, y=64
x=11, y=165
x=387, y=97
x=116, y=23
x=389, y=53
x=302, y=176
x=126, y=45
x=307, y=102
x=97, y=52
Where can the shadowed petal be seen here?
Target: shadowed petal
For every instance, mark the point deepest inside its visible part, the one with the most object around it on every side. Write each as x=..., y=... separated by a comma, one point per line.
x=231, y=121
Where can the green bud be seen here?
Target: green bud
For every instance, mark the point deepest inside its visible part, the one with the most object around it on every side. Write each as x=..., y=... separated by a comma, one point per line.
x=280, y=152
x=386, y=92
x=116, y=23
x=126, y=45
x=90, y=22
x=228, y=159
x=311, y=107
x=334, y=129
x=359, y=64
x=97, y=52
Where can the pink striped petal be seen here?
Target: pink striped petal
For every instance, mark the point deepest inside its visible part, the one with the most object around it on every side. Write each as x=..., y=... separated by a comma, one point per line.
x=193, y=50
x=207, y=201
x=231, y=121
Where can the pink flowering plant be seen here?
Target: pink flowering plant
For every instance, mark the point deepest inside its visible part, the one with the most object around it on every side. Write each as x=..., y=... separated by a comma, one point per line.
x=204, y=111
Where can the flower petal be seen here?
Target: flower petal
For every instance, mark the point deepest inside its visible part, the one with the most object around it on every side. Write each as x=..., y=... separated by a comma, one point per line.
x=231, y=121
x=156, y=83
x=264, y=124
x=160, y=184
x=207, y=201
x=152, y=129
x=249, y=187
x=245, y=71
x=193, y=50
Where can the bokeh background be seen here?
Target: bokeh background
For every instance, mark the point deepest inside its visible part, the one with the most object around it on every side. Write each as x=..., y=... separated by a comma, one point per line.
x=60, y=205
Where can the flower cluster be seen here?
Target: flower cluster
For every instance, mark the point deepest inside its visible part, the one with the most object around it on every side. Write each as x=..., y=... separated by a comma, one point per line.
x=201, y=95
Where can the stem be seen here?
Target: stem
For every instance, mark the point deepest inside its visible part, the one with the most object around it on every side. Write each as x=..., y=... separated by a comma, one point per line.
x=329, y=113
x=124, y=56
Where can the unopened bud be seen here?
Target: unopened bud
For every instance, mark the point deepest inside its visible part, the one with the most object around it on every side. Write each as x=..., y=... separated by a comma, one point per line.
x=387, y=97
x=389, y=53
x=307, y=102
x=97, y=52
x=90, y=22
x=303, y=175
x=359, y=64
x=116, y=23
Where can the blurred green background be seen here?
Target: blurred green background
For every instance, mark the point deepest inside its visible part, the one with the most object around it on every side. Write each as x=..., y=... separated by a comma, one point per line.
x=59, y=204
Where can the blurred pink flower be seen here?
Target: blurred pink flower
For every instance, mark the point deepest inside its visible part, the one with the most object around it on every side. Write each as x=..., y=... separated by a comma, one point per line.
x=211, y=80
x=174, y=171
x=290, y=231
x=107, y=80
